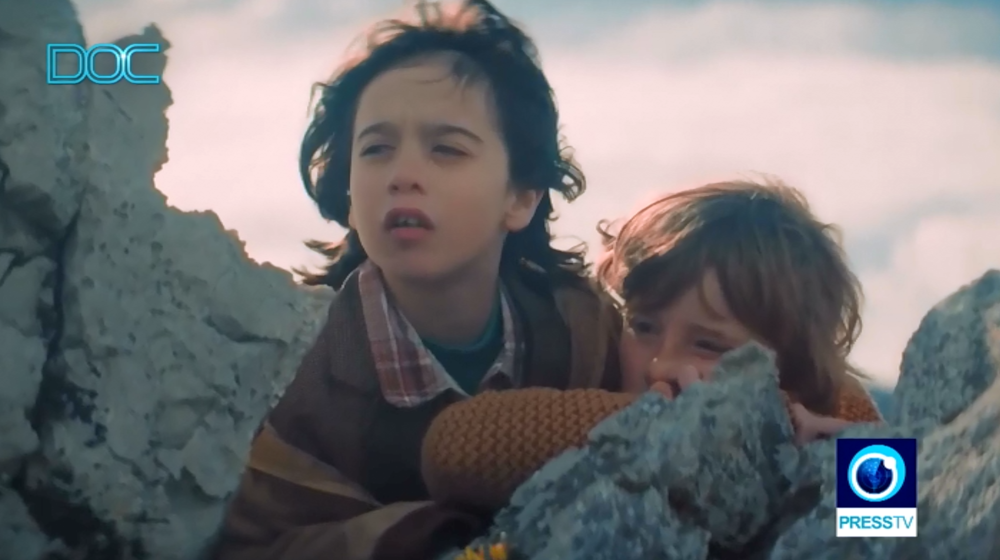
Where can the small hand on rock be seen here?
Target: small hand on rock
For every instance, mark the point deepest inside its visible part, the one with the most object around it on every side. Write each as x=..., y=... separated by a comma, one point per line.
x=810, y=426
x=670, y=382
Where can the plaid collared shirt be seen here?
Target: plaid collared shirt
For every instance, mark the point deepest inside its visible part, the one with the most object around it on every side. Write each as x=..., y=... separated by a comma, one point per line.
x=408, y=372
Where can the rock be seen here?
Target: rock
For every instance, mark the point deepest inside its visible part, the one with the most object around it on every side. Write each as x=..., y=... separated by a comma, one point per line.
x=25, y=289
x=37, y=201
x=709, y=460
x=20, y=537
x=812, y=533
x=140, y=346
x=959, y=490
x=953, y=357
x=958, y=496
x=712, y=475
x=942, y=381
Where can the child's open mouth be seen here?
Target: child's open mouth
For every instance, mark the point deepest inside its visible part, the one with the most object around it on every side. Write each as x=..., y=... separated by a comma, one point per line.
x=408, y=224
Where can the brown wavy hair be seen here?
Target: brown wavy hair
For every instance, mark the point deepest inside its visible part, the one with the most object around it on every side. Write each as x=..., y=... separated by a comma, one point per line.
x=486, y=47
x=783, y=273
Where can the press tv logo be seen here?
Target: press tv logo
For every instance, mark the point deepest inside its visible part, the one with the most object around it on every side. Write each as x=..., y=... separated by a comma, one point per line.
x=876, y=487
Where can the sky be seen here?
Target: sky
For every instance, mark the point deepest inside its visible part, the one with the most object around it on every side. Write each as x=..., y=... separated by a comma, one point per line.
x=886, y=114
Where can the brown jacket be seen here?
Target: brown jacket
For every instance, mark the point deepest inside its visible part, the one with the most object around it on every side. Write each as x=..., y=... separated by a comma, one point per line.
x=334, y=473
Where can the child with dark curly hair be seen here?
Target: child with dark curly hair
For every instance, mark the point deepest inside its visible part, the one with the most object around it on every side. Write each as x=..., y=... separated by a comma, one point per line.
x=437, y=149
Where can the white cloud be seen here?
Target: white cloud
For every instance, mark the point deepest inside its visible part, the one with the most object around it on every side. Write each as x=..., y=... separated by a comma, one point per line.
x=864, y=138
x=869, y=140
x=933, y=259
x=675, y=98
x=691, y=32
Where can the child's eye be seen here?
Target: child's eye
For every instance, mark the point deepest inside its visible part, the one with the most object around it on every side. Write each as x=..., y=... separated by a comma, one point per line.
x=642, y=326
x=375, y=150
x=448, y=151
x=712, y=346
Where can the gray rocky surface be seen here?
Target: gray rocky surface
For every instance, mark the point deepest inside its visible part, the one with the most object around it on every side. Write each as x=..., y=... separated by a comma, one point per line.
x=713, y=474
x=20, y=536
x=659, y=460
x=139, y=346
x=954, y=355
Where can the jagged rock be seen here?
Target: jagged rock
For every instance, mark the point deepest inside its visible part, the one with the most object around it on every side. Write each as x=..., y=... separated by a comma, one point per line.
x=953, y=357
x=23, y=291
x=20, y=536
x=669, y=474
x=958, y=496
x=42, y=135
x=140, y=347
x=811, y=532
x=712, y=475
x=37, y=202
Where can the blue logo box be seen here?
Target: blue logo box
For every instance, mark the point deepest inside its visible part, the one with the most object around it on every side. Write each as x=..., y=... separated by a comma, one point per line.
x=868, y=475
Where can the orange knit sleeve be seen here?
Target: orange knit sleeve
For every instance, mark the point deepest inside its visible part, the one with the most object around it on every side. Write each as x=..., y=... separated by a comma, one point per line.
x=855, y=404
x=477, y=452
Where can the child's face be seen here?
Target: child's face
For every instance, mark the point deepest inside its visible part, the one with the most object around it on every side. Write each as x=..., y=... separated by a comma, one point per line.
x=427, y=149
x=696, y=329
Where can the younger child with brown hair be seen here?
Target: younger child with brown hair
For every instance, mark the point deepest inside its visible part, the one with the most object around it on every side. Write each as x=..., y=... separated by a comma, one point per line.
x=698, y=273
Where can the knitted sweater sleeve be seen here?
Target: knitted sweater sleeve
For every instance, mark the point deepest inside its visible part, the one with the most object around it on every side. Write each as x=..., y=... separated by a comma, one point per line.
x=477, y=452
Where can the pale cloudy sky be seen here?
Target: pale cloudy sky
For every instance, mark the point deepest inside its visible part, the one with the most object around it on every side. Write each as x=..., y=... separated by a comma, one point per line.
x=887, y=114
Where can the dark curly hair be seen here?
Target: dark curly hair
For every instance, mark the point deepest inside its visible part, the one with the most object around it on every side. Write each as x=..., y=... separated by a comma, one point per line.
x=489, y=49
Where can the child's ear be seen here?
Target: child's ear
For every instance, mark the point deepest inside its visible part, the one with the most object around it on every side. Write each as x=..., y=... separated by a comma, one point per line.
x=521, y=208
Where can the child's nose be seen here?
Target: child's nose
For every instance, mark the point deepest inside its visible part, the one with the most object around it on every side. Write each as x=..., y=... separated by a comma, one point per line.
x=407, y=173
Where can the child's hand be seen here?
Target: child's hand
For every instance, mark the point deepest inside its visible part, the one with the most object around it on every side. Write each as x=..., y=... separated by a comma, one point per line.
x=669, y=382
x=811, y=427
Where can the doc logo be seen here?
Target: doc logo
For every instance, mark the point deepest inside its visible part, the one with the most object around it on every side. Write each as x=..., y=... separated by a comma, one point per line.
x=86, y=59
x=876, y=488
